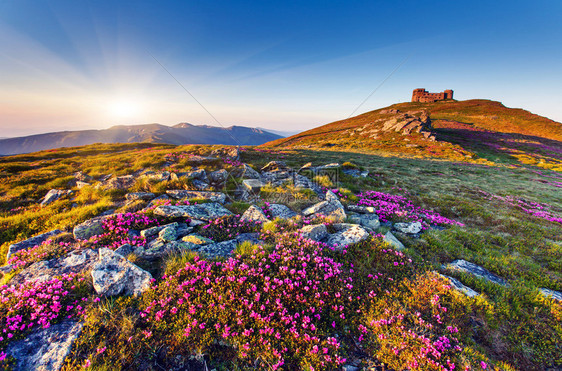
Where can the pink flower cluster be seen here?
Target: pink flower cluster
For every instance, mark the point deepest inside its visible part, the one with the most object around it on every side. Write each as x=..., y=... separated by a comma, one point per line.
x=36, y=304
x=117, y=230
x=228, y=227
x=282, y=306
x=44, y=251
x=396, y=207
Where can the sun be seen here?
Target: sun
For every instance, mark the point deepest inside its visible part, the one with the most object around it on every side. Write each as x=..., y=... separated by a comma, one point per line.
x=123, y=108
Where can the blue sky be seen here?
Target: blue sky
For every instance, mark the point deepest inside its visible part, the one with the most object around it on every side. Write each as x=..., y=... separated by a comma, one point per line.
x=287, y=65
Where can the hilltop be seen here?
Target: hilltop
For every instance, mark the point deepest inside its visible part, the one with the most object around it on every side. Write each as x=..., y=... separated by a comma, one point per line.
x=481, y=131
x=182, y=133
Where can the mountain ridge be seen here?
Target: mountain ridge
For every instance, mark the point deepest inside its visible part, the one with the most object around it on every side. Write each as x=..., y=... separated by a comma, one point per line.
x=182, y=133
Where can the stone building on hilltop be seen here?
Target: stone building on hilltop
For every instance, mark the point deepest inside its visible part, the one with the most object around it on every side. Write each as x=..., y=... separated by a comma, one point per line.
x=422, y=95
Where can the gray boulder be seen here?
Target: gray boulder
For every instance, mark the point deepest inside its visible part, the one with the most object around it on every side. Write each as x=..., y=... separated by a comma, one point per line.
x=206, y=211
x=370, y=221
x=281, y=211
x=408, y=228
x=315, y=232
x=468, y=267
x=120, y=182
x=168, y=234
x=275, y=166
x=183, y=194
x=89, y=228
x=361, y=209
x=76, y=261
x=152, y=231
x=225, y=248
x=347, y=234
x=53, y=195
x=115, y=275
x=31, y=242
x=145, y=196
x=218, y=177
x=45, y=349
x=253, y=185
x=393, y=241
x=197, y=240
x=331, y=208
x=254, y=213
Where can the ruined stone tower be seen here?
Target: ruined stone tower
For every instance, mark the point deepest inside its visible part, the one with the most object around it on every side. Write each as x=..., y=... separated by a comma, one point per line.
x=422, y=95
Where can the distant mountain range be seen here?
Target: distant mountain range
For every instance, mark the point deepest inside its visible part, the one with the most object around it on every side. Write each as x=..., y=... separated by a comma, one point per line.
x=183, y=133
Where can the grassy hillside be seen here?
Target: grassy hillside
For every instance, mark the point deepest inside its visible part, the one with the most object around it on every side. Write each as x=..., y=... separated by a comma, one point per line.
x=475, y=131
x=509, y=221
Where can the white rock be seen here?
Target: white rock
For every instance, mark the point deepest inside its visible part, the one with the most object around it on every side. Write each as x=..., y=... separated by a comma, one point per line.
x=254, y=213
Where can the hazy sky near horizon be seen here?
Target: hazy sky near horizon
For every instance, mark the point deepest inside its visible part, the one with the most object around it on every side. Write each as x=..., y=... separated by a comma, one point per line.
x=285, y=65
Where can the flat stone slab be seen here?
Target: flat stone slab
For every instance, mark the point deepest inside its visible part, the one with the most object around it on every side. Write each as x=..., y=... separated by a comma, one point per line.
x=183, y=194
x=31, y=242
x=45, y=349
x=53, y=195
x=468, y=267
x=145, y=196
x=201, y=212
x=253, y=185
x=331, y=208
x=91, y=227
x=408, y=228
x=281, y=211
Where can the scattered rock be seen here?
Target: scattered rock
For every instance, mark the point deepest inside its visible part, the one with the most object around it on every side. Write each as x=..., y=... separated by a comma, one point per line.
x=115, y=275
x=393, y=241
x=281, y=211
x=197, y=240
x=81, y=185
x=225, y=248
x=253, y=185
x=408, y=228
x=168, y=234
x=347, y=234
x=275, y=166
x=206, y=211
x=31, y=242
x=245, y=172
x=254, y=213
x=45, y=349
x=218, y=177
x=331, y=208
x=334, y=165
x=315, y=232
x=361, y=209
x=458, y=285
x=120, y=182
x=76, y=261
x=89, y=228
x=370, y=221
x=199, y=184
x=125, y=250
x=145, y=196
x=356, y=173
x=157, y=199
x=556, y=295
x=152, y=231
x=467, y=267
x=53, y=195
x=183, y=194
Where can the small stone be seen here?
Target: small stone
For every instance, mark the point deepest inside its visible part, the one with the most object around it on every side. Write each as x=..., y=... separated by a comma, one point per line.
x=168, y=234
x=149, y=232
x=331, y=208
x=53, y=195
x=184, y=194
x=315, y=232
x=197, y=240
x=281, y=211
x=551, y=294
x=361, y=209
x=114, y=275
x=468, y=267
x=275, y=166
x=458, y=285
x=393, y=241
x=218, y=177
x=145, y=196
x=253, y=185
x=254, y=213
x=347, y=234
x=408, y=228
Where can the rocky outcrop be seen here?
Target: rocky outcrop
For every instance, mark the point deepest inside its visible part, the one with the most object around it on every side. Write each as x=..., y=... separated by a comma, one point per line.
x=201, y=212
x=77, y=261
x=281, y=211
x=476, y=270
x=370, y=221
x=121, y=183
x=225, y=248
x=408, y=228
x=331, y=208
x=457, y=285
x=393, y=241
x=114, y=275
x=245, y=172
x=184, y=194
x=347, y=234
x=53, y=195
x=89, y=228
x=45, y=349
x=255, y=214
x=218, y=178
x=275, y=166
x=144, y=196
x=315, y=232
x=253, y=186
x=30, y=242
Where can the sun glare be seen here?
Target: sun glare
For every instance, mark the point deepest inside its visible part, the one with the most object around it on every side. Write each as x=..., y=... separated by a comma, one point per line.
x=123, y=108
